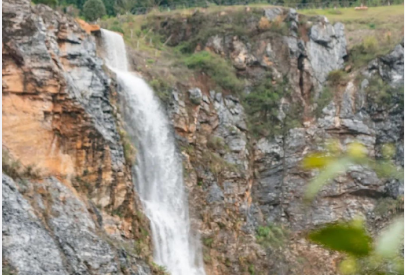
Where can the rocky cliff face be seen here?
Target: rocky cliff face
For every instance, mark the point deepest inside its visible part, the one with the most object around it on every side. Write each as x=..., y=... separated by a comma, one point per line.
x=238, y=181
x=80, y=215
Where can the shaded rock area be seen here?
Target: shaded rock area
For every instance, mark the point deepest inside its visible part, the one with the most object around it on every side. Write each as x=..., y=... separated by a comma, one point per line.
x=390, y=67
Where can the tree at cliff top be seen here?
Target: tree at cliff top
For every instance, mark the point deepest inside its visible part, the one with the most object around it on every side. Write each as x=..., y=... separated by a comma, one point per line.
x=93, y=10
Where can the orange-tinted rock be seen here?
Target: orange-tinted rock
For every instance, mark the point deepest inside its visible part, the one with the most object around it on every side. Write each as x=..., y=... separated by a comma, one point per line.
x=89, y=28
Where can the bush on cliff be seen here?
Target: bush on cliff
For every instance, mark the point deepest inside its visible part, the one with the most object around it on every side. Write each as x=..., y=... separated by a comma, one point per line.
x=220, y=71
x=93, y=10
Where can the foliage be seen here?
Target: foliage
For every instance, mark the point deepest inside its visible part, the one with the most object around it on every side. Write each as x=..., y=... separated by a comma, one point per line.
x=263, y=106
x=389, y=205
x=271, y=236
x=158, y=269
x=161, y=88
x=365, y=256
x=117, y=28
x=366, y=51
x=14, y=169
x=93, y=10
x=344, y=237
x=51, y=3
x=208, y=241
x=129, y=149
x=215, y=163
x=370, y=44
x=381, y=94
x=7, y=270
x=216, y=143
x=337, y=77
x=109, y=7
x=335, y=162
x=217, y=68
x=324, y=98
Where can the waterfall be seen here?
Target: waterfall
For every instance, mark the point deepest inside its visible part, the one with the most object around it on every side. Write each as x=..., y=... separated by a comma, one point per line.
x=158, y=169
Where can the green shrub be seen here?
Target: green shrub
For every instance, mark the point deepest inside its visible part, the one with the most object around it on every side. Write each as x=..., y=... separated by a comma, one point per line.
x=14, y=169
x=208, y=241
x=93, y=10
x=262, y=106
x=325, y=97
x=215, y=163
x=337, y=77
x=51, y=3
x=116, y=28
x=160, y=87
x=271, y=236
x=129, y=149
x=389, y=206
x=370, y=44
x=369, y=49
x=215, y=143
x=382, y=94
x=220, y=71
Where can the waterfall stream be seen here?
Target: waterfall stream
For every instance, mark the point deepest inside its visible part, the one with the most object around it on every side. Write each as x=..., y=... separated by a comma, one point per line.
x=158, y=169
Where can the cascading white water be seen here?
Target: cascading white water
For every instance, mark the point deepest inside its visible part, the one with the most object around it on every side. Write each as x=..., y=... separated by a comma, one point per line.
x=158, y=169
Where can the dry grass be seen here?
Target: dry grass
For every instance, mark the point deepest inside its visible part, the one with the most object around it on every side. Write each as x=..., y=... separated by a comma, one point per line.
x=382, y=22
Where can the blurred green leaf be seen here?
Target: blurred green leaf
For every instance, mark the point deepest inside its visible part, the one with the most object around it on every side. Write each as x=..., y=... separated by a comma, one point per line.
x=388, y=151
x=348, y=266
x=391, y=239
x=344, y=237
x=330, y=171
x=386, y=169
x=316, y=160
x=356, y=150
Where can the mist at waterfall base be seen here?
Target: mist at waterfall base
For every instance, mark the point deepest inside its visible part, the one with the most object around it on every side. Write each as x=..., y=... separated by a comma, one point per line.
x=158, y=169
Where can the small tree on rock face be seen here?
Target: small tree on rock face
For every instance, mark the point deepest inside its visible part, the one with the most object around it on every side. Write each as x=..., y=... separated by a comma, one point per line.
x=93, y=10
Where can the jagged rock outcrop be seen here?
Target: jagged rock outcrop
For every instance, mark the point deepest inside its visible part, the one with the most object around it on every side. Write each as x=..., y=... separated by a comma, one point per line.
x=54, y=88
x=390, y=67
x=59, y=120
x=326, y=48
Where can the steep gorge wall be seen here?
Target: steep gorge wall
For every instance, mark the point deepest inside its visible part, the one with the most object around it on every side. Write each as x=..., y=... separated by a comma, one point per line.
x=238, y=182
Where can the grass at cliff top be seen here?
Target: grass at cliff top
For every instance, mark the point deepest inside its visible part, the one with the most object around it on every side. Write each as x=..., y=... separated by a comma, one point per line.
x=344, y=15
x=379, y=22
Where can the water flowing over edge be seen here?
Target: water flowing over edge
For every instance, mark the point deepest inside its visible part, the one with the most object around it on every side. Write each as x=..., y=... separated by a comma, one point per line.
x=158, y=169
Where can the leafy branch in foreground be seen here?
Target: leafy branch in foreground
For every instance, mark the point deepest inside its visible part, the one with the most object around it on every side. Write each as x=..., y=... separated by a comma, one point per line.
x=334, y=162
x=364, y=255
